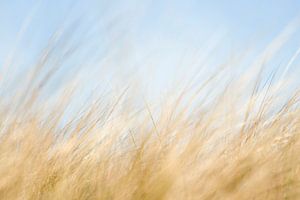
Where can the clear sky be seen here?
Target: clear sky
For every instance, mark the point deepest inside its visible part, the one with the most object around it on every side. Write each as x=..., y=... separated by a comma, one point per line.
x=159, y=34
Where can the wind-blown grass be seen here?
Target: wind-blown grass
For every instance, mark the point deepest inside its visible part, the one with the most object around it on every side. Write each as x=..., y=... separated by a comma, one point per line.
x=208, y=142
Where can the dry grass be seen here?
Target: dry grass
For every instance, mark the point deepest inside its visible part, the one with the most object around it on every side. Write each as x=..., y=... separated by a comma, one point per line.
x=230, y=145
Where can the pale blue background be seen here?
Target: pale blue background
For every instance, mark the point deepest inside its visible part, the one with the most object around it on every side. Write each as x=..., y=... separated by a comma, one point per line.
x=159, y=34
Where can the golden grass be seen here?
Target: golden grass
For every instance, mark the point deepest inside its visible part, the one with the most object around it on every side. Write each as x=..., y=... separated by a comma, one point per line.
x=229, y=145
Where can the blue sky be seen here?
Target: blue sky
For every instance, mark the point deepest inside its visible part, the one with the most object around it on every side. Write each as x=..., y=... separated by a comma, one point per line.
x=156, y=33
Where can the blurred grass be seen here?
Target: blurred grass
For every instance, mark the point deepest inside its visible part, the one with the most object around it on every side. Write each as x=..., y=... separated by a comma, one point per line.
x=224, y=144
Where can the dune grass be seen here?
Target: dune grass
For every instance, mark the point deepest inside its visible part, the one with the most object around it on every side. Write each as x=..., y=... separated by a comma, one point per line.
x=240, y=141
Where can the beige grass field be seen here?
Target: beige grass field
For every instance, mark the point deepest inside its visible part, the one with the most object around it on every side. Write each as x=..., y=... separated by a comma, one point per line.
x=224, y=138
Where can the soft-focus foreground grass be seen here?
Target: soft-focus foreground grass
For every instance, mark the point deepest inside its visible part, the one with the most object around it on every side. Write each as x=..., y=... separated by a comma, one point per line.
x=241, y=142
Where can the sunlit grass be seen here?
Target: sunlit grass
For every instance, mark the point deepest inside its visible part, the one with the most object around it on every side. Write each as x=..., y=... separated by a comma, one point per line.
x=232, y=139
